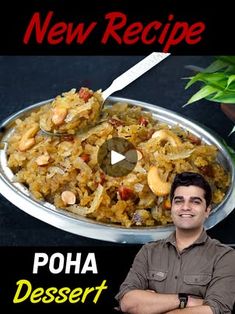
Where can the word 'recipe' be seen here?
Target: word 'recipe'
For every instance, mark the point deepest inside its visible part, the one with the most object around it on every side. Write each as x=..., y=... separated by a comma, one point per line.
x=117, y=30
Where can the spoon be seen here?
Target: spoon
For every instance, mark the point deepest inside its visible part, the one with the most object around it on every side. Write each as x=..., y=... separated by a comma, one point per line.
x=122, y=81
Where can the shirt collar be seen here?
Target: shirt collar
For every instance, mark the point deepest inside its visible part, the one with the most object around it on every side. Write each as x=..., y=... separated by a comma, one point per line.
x=200, y=240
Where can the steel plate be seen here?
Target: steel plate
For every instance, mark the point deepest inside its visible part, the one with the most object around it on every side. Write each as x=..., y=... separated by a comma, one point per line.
x=18, y=195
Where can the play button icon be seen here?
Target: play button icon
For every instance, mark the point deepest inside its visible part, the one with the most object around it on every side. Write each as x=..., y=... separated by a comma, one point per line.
x=117, y=157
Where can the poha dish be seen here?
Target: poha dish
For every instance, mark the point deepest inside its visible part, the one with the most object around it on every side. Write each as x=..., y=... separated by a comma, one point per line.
x=63, y=170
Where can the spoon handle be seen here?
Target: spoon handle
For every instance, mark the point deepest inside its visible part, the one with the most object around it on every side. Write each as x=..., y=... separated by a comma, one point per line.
x=133, y=73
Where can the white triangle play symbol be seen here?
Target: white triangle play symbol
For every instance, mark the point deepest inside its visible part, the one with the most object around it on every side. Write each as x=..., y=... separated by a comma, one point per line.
x=116, y=157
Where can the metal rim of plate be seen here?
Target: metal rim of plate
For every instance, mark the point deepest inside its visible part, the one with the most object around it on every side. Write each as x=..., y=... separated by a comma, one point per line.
x=19, y=195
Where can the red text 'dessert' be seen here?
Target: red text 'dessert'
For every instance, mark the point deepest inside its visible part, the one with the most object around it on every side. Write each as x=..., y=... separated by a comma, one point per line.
x=118, y=30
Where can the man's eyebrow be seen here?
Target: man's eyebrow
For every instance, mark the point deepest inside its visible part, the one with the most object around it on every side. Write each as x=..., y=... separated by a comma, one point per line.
x=193, y=198
x=196, y=198
x=178, y=197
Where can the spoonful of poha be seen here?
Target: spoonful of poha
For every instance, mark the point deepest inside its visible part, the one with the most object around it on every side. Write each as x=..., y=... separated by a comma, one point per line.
x=77, y=111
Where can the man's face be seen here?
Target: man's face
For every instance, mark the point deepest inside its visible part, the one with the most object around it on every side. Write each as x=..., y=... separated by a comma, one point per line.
x=188, y=208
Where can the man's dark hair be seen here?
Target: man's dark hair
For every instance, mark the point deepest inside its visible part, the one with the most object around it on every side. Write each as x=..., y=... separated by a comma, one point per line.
x=191, y=178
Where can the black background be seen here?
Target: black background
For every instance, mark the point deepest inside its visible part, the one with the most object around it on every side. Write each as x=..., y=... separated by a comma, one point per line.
x=32, y=73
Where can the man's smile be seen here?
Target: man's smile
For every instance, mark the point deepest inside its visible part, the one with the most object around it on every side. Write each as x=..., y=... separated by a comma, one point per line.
x=186, y=215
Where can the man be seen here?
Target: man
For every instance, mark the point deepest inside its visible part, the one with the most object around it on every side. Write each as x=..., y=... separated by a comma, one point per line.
x=188, y=272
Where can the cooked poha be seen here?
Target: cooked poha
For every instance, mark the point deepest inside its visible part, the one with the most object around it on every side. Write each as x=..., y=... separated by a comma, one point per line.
x=64, y=170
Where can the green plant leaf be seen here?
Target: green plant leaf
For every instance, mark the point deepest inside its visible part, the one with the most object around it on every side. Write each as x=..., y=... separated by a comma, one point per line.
x=218, y=80
x=202, y=93
x=230, y=60
x=216, y=66
x=230, y=80
x=193, y=80
x=230, y=69
x=222, y=97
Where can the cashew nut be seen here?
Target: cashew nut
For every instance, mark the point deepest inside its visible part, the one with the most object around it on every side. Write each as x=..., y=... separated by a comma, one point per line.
x=139, y=155
x=26, y=144
x=43, y=159
x=59, y=115
x=28, y=140
x=168, y=136
x=158, y=187
x=68, y=197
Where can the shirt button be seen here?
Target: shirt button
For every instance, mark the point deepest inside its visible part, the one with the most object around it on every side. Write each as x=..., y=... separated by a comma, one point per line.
x=178, y=257
x=176, y=277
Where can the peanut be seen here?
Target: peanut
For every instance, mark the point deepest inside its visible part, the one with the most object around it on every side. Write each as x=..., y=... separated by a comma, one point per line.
x=27, y=140
x=68, y=197
x=59, y=115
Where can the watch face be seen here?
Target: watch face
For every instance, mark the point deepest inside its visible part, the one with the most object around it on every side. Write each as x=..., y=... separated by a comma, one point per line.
x=183, y=300
x=182, y=304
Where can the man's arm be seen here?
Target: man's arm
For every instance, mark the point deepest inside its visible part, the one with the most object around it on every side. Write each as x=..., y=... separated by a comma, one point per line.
x=202, y=309
x=136, y=278
x=218, y=299
x=148, y=302
x=220, y=294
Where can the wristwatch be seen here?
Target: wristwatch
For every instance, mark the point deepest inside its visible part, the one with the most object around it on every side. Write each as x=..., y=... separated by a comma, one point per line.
x=183, y=298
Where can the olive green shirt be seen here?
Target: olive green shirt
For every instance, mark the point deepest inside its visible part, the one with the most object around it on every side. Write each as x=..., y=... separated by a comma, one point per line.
x=205, y=269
